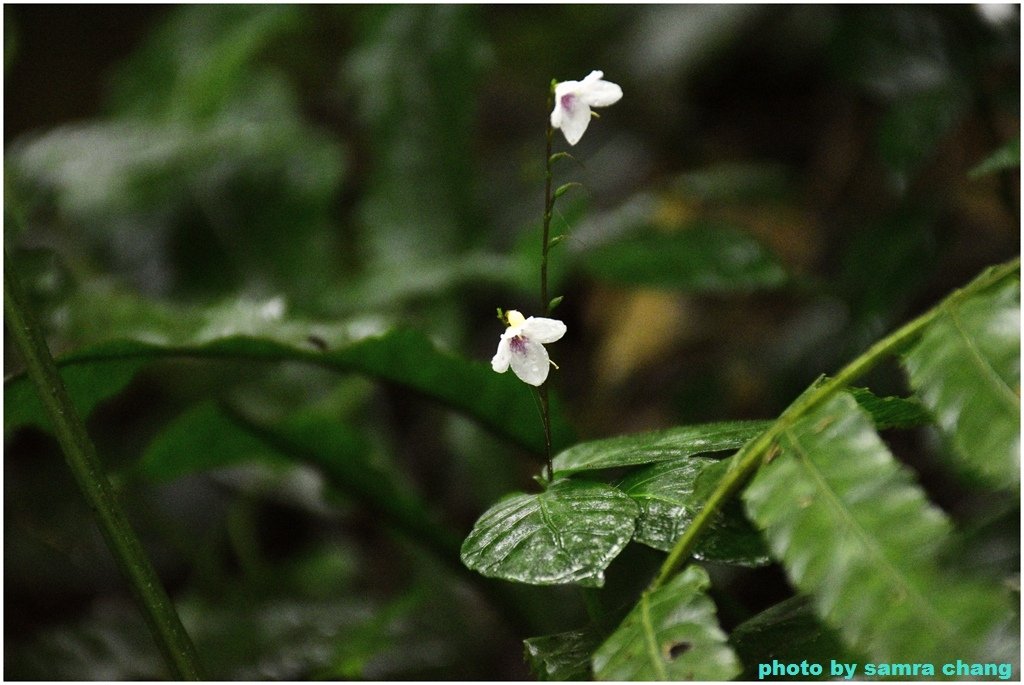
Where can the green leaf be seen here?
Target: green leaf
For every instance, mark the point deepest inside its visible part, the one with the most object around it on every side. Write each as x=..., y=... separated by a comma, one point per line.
x=210, y=436
x=565, y=656
x=669, y=501
x=566, y=187
x=201, y=439
x=655, y=446
x=559, y=156
x=791, y=633
x=966, y=369
x=87, y=385
x=854, y=532
x=405, y=357
x=1006, y=157
x=671, y=634
x=891, y=412
x=702, y=258
x=567, y=534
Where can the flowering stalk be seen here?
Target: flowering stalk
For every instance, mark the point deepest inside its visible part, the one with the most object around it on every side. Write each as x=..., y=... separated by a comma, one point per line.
x=522, y=344
x=549, y=208
x=545, y=301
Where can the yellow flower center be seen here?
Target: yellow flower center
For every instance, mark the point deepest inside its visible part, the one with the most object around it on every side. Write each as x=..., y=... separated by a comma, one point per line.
x=515, y=318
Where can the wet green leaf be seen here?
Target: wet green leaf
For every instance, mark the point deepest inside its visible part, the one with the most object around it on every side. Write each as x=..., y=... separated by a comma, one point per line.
x=565, y=656
x=655, y=446
x=567, y=534
x=669, y=501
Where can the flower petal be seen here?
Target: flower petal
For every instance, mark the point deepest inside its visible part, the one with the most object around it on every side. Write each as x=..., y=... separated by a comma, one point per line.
x=564, y=88
x=599, y=93
x=557, y=116
x=502, y=357
x=560, y=111
x=530, y=362
x=574, y=122
x=539, y=329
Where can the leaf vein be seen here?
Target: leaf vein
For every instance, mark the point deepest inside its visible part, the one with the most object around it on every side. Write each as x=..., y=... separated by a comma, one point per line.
x=650, y=639
x=866, y=539
x=1004, y=391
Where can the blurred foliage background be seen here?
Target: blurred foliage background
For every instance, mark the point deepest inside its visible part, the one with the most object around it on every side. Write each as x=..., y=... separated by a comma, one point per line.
x=779, y=186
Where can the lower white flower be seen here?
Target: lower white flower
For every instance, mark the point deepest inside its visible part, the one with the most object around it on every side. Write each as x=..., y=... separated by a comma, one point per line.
x=522, y=347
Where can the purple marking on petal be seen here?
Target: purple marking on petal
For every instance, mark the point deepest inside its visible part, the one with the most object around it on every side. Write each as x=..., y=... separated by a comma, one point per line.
x=567, y=101
x=517, y=344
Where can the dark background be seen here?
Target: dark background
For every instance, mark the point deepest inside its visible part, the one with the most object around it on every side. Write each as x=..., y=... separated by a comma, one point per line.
x=386, y=164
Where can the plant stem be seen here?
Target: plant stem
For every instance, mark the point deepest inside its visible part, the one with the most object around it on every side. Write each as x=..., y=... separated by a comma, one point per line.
x=80, y=454
x=545, y=418
x=549, y=208
x=746, y=462
x=545, y=301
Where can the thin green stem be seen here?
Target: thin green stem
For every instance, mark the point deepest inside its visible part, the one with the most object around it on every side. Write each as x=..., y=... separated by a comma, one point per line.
x=545, y=418
x=545, y=300
x=85, y=465
x=549, y=208
x=758, y=450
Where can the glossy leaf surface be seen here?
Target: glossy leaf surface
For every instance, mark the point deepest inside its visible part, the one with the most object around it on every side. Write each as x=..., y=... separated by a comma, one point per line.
x=669, y=501
x=565, y=656
x=655, y=446
x=567, y=534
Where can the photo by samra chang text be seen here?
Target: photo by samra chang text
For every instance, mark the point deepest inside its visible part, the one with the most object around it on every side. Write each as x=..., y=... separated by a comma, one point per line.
x=848, y=671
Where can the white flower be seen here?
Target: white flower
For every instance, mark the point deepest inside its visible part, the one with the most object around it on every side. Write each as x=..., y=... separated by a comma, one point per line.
x=573, y=100
x=521, y=345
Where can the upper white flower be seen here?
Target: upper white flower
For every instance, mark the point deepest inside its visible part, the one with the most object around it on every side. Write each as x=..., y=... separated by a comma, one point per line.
x=573, y=100
x=522, y=346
